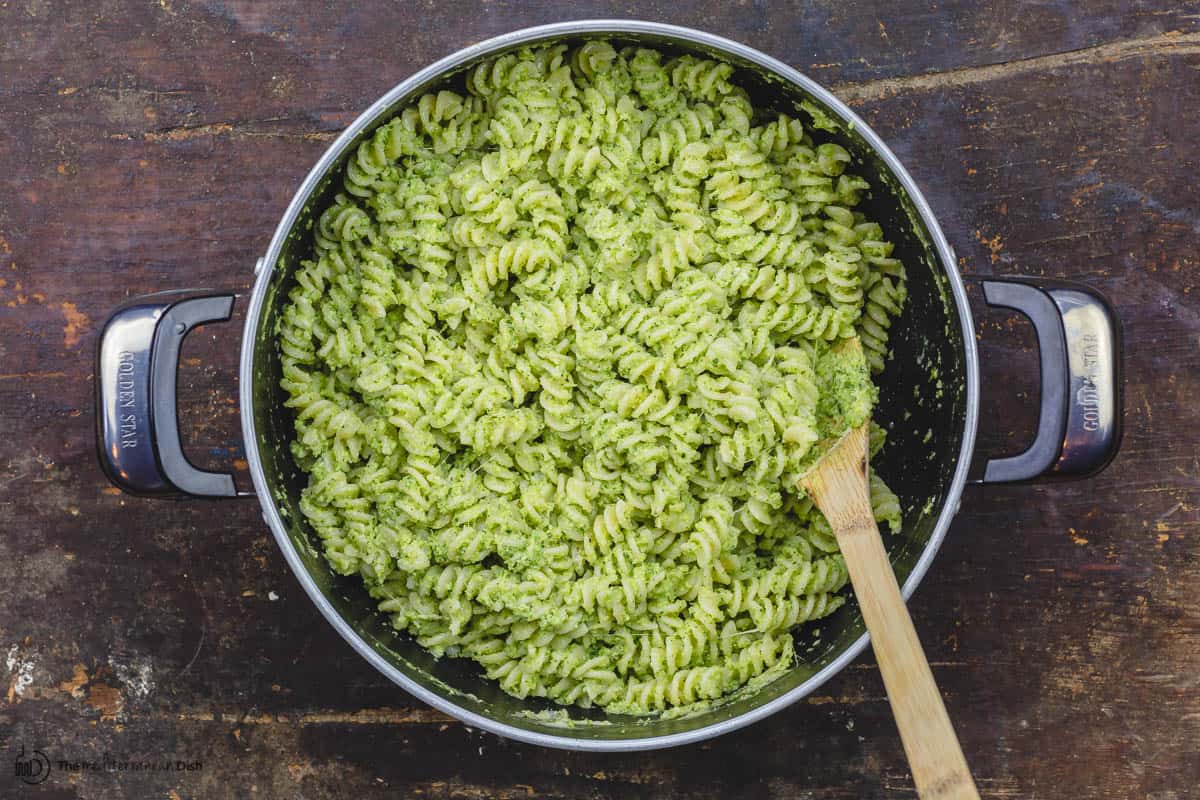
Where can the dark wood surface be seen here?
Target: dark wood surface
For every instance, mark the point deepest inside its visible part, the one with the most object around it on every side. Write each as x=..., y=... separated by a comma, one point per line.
x=153, y=145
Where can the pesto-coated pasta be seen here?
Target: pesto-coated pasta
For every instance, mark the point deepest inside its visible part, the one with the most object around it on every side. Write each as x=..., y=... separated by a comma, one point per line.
x=560, y=354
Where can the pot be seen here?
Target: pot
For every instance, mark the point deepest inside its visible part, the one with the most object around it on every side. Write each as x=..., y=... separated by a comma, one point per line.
x=929, y=401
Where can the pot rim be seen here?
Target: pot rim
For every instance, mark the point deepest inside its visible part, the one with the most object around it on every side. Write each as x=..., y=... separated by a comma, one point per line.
x=382, y=106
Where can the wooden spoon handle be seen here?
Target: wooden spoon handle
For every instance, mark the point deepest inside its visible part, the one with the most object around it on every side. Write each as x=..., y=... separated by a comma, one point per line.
x=938, y=766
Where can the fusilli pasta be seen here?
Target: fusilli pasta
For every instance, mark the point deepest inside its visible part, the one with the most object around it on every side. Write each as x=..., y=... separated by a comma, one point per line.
x=559, y=356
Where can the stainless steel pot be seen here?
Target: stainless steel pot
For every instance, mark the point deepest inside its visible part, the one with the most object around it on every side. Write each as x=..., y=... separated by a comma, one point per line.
x=929, y=402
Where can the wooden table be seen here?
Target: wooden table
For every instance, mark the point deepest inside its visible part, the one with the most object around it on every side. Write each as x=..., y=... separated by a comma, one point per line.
x=153, y=145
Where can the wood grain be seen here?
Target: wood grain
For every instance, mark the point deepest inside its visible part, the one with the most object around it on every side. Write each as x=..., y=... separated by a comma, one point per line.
x=837, y=483
x=153, y=145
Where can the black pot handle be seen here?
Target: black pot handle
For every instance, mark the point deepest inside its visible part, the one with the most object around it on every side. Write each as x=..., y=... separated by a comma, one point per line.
x=1079, y=427
x=137, y=424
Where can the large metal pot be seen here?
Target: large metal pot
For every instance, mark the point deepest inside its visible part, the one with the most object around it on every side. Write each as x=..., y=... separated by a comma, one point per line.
x=929, y=402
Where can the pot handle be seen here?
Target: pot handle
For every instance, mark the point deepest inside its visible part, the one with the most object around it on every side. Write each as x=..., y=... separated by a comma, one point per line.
x=137, y=424
x=1079, y=426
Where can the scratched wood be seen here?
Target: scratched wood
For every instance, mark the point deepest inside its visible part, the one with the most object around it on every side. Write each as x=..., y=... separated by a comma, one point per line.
x=148, y=146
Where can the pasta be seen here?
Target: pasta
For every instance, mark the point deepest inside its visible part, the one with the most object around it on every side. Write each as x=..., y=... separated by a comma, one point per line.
x=560, y=354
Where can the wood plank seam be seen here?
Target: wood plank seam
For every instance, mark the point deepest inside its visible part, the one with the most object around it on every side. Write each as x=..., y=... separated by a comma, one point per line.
x=1165, y=45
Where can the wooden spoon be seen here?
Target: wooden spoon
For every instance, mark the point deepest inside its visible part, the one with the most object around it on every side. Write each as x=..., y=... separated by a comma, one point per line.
x=838, y=485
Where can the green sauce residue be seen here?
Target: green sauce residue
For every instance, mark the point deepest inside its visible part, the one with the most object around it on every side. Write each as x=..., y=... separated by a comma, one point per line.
x=821, y=120
x=564, y=345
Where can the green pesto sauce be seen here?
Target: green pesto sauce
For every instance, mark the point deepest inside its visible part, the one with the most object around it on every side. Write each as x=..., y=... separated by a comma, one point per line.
x=564, y=346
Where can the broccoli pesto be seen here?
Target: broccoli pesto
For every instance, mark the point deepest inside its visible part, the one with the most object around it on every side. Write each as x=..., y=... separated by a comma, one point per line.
x=566, y=340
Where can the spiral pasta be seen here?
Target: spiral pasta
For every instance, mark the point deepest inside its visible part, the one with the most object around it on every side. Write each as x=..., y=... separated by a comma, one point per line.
x=558, y=360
